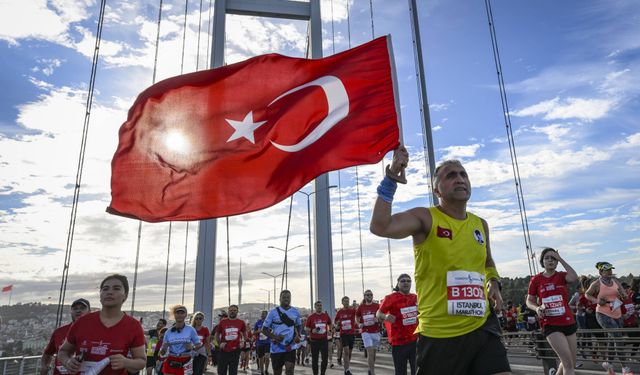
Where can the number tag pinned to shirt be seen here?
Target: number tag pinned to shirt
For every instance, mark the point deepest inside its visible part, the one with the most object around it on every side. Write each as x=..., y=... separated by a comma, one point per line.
x=465, y=294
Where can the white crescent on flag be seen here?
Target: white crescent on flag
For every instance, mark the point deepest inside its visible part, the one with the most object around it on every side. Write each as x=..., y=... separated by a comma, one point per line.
x=337, y=101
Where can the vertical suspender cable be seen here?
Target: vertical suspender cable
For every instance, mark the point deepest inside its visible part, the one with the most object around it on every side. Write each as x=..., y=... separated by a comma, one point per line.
x=184, y=267
x=209, y=33
x=139, y=240
x=357, y=179
x=76, y=190
x=166, y=273
x=184, y=34
x=135, y=273
x=344, y=290
x=228, y=265
x=512, y=146
x=198, y=46
x=284, y=283
x=373, y=35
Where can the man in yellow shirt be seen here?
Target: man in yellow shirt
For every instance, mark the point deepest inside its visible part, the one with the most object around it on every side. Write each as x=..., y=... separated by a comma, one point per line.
x=456, y=279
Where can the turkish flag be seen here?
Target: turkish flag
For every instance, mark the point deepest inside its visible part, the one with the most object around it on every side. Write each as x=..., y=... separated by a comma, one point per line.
x=245, y=136
x=7, y=288
x=444, y=233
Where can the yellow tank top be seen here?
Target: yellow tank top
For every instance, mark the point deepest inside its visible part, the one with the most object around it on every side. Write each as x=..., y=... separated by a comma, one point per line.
x=450, y=276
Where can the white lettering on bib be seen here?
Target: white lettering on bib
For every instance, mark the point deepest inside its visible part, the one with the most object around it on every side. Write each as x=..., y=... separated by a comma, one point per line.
x=465, y=293
x=409, y=315
x=553, y=305
x=369, y=320
x=346, y=325
x=631, y=309
x=231, y=334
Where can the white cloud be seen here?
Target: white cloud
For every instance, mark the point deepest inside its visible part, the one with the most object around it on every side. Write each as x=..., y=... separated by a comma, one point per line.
x=570, y=108
x=459, y=152
x=34, y=20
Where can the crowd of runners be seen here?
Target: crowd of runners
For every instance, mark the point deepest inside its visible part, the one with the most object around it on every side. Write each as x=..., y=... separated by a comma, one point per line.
x=449, y=326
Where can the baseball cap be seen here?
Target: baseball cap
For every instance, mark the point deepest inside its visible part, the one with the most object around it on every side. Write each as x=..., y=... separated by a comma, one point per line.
x=81, y=301
x=604, y=266
x=181, y=308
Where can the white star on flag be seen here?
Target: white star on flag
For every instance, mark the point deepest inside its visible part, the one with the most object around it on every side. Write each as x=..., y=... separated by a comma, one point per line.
x=244, y=128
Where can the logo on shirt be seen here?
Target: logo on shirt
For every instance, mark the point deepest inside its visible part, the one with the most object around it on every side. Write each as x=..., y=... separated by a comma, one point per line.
x=445, y=233
x=478, y=236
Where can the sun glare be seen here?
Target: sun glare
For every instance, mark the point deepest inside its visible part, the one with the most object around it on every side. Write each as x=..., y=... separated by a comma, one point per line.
x=177, y=142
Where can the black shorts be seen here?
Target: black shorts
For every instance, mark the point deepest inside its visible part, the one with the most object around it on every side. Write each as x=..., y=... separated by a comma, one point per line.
x=262, y=349
x=478, y=352
x=151, y=362
x=347, y=340
x=278, y=359
x=565, y=330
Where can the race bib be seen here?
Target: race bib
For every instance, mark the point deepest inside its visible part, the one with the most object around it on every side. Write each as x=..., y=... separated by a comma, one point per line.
x=631, y=309
x=409, y=315
x=465, y=294
x=553, y=305
x=321, y=328
x=531, y=319
x=262, y=336
x=369, y=320
x=62, y=369
x=231, y=334
x=346, y=325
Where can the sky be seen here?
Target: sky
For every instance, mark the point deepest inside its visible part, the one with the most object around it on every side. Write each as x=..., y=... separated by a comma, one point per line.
x=572, y=75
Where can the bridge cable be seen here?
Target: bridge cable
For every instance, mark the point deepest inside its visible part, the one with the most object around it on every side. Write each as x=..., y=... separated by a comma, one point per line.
x=512, y=147
x=344, y=292
x=83, y=147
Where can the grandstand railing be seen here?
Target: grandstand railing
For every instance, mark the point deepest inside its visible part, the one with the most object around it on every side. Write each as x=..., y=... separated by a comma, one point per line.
x=20, y=365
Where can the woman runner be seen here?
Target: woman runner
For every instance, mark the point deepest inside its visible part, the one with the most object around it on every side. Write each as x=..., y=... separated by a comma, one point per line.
x=179, y=342
x=548, y=296
x=101, y=340
x=204, y=352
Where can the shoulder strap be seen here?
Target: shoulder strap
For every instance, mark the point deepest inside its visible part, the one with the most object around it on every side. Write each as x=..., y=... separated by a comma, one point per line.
x=285, y=318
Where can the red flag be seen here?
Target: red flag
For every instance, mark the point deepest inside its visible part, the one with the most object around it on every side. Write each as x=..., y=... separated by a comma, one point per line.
x=245, y=136
x=445, y=233
x=7, y=288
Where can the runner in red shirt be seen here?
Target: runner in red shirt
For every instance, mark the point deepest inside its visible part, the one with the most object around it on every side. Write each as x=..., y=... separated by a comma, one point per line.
x=102, y=340
x=346, y=320
x=319, y=326
x=79, y=308
x=367, y=320
x=204, y=351
x=549, y=297
x=229, y=333
x=399, y=310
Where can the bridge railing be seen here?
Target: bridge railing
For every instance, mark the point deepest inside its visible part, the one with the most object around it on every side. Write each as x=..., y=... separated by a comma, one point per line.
x=20, y=365
x=594, y=345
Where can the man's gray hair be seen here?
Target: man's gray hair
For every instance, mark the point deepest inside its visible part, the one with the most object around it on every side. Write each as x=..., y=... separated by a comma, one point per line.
x=436, y=176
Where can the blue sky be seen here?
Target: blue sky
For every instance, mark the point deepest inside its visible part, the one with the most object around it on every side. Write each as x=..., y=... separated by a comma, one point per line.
x=572, y=71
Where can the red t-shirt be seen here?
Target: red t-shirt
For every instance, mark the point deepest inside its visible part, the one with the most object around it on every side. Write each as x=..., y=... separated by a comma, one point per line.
x=57, y=338
x=552, y=292
x=320, y=323
x=404, y=307
x=203, y=334
x=367, y=316
x=628, y=307
x=587, y=304
x=346, y=320
x=512, y=317
x=97, y=341
x=230, y=332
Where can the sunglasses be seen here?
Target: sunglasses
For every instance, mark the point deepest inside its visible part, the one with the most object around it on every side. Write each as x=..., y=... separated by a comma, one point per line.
x=368, y=295
x=405, y=281
x=198, y=318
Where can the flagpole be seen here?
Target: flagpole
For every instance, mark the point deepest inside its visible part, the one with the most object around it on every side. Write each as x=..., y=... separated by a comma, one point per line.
x=10, y=294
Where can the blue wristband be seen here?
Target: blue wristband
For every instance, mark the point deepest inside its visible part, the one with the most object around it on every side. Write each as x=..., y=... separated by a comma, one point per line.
x=387, y=189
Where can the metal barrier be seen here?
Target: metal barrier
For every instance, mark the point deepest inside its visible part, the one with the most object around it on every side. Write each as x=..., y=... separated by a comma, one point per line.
x=20, y=365
x=594, y=345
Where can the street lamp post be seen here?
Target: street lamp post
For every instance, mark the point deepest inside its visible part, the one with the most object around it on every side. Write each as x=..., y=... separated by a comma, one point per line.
x=268, y=297
x=308, y=195
x=274, y=284
x=286, y=264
